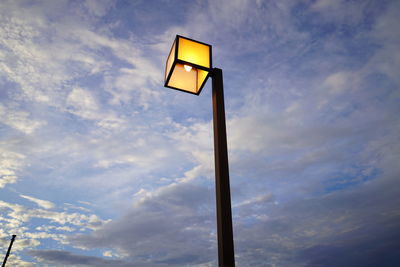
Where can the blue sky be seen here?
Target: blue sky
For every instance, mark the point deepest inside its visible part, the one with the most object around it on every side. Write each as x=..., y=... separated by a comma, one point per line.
x=100, y=165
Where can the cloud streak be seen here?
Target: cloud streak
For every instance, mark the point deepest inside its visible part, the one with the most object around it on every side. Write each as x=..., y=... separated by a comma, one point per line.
x=40, y=202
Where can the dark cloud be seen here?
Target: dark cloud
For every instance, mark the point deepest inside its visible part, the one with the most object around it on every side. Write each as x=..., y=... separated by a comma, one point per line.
x=64, y=257
x=171, y=227
x=358, y=227
x=353, y=227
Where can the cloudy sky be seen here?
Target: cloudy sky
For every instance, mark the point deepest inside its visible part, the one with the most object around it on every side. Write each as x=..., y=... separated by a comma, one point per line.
x=100, y=165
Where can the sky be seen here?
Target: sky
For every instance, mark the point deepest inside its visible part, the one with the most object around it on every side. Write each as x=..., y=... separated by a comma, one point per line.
x=101, y=165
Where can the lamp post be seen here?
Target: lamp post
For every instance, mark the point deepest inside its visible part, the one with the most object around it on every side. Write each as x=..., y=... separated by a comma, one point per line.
x=188, y=67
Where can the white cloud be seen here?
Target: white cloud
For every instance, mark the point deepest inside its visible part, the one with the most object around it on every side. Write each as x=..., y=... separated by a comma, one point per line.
x=28, y=64
x=22, y=214
x=19, y=120
x=340, y=11
x=10, y=163
x=82, y=103
x=15, y=219
x=98, y=8
x=262, y=199
x=338, y=82
x=48, y=228
x=40, y=202
x=6, y=178
x=196, y=141
x=108, y=253
x=42, y=72
x=71, y=206
x=384, y=33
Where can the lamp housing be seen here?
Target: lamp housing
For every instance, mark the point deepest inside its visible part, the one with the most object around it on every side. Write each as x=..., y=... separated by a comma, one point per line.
x=188, y=65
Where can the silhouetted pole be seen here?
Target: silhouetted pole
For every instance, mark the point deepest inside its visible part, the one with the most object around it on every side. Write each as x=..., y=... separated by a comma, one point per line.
x=8, y=251
x=226, y=255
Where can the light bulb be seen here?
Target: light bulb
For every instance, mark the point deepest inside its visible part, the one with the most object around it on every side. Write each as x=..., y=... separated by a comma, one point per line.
x=187, y=68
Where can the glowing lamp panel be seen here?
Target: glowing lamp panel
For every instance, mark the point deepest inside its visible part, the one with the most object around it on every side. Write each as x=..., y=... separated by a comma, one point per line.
x=194, y=52
x=201, y=78
x=170, y=60
x=187, y=80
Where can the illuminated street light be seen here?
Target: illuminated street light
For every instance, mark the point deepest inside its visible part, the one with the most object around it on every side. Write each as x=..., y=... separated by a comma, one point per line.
x=188, y=67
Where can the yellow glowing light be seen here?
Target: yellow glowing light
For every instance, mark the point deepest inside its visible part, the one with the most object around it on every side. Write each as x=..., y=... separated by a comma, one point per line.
x=194, y=52
x=188, y=65
x=187, y=68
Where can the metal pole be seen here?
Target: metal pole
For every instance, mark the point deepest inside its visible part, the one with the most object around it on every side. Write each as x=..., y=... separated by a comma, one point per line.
x=226, y=255
x=8, y=251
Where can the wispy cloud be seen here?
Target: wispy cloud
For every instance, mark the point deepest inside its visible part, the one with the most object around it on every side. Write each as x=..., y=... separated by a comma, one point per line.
x=40, y=202
x=10, y=163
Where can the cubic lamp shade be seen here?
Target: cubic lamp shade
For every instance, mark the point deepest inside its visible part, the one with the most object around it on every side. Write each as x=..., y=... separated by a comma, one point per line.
x=188, y=65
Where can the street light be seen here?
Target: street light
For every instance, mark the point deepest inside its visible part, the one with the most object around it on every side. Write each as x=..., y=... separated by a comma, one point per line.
x=188, y=67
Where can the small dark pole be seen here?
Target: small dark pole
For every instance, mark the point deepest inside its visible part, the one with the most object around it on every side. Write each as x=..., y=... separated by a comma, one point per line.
x=226, y=255
x=8, y=251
